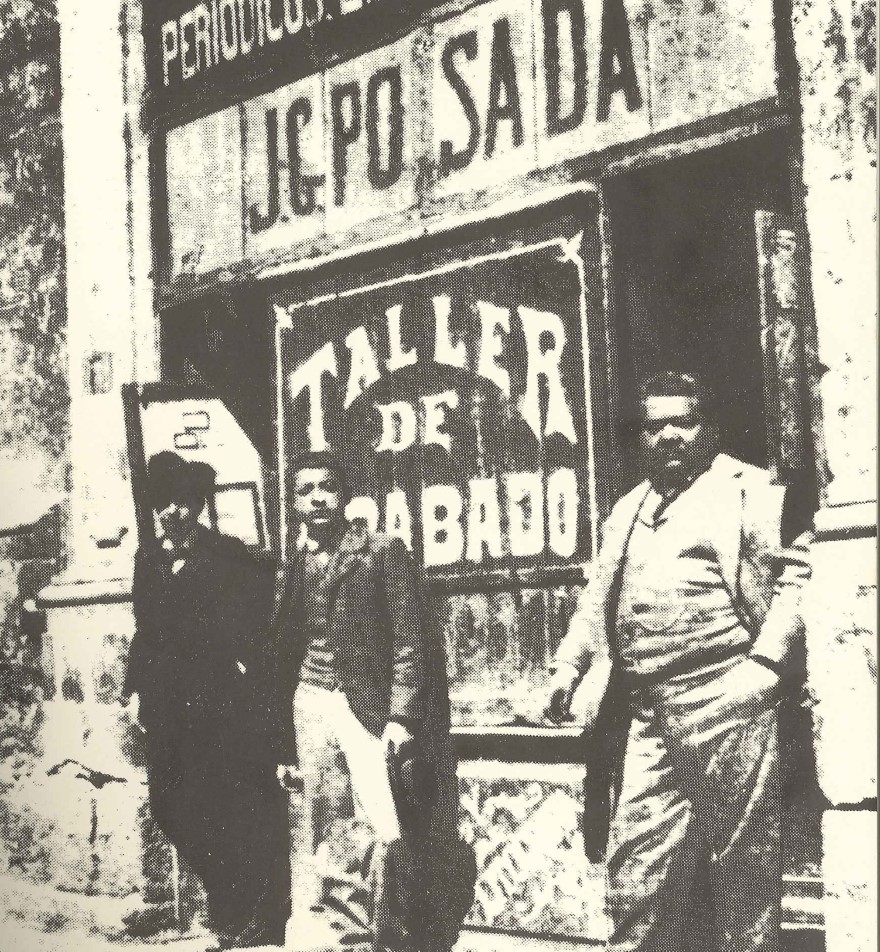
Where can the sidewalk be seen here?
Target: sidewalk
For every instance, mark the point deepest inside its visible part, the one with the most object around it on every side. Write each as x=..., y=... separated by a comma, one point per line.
x=16, y=937
x=37, y=919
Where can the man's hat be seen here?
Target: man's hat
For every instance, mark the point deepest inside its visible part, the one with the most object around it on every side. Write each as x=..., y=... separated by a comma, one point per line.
x=171, y=477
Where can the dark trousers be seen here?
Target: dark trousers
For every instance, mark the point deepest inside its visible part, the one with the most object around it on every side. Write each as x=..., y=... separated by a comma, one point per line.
x=699, y=803
x=228, y=821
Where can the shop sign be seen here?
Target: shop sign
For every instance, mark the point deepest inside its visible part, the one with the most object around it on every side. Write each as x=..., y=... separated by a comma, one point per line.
x=457, y=399
x=198, y=50
x=462, y=105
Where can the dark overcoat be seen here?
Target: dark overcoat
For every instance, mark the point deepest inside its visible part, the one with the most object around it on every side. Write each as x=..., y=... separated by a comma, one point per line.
x=197, y=659
x=200, y=666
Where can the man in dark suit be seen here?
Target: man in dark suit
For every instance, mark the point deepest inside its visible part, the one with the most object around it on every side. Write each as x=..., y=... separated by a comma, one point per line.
x=198, y=682
x=369, y=672
x=685, y=639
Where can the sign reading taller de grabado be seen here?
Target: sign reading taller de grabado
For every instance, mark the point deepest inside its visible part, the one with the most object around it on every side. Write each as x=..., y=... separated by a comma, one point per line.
x=456, y=397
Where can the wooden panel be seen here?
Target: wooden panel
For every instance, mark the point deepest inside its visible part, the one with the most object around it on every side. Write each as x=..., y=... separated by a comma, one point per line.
x=457, y=397
x=499, y=647
x=781, y=279
x=193, y=60
x=533, y=877
x=199, y=427
x=204, y=162
x=458, y=110
x=371, y=136
x=285, y=167
x=594, y=55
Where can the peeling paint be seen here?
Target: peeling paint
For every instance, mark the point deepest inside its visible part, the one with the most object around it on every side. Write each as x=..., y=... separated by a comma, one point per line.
x=834, y=38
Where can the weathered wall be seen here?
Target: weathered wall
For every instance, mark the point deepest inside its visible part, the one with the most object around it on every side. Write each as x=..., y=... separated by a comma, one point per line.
x=33, y=387
x=76, y=819
x=34, y=407
x=61, y=824
x=836, y=50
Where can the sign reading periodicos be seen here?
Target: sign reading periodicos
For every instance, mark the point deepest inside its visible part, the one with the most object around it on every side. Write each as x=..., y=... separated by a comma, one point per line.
x=203, y=37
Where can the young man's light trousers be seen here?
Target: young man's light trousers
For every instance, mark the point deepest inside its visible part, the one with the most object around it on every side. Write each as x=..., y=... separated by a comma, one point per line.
x=349, y=818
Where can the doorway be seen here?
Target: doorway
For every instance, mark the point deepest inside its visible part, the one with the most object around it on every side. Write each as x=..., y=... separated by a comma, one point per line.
x=685, y=280
x=686, y=296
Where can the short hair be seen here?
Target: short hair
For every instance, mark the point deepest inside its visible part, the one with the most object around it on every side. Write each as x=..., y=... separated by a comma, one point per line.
x=172, y=478
x=321, y=459
x=675, y=383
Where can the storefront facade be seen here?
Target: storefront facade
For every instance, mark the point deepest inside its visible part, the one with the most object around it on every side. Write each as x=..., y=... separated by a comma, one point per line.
x=447, y=240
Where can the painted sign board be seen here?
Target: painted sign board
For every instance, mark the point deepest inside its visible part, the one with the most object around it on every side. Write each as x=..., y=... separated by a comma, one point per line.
x=457, y=398
x=215, y=49
x=505, y=88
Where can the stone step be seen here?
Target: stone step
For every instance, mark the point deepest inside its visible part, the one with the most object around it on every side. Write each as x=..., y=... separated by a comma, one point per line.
x=42, y=909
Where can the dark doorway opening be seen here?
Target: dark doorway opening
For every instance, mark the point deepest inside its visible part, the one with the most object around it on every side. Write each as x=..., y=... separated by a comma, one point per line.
x=223, y=342
x=685, y=280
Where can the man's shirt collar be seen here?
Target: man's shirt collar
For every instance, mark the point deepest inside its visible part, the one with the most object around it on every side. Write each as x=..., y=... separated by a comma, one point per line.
x=654, y=509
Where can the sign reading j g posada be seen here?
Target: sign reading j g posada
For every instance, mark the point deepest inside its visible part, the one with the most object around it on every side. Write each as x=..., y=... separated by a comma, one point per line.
x=460, y=104
x=457, y=399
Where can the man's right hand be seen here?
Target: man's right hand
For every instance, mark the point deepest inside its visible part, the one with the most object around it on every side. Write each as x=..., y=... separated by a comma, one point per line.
x=563, y=682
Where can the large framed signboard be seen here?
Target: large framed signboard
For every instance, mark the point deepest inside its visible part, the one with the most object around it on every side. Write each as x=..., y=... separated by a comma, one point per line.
x=456, y=388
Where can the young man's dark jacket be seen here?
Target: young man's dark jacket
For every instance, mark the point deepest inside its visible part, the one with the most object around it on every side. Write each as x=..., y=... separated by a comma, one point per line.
x=389, y=656
x=385, y=640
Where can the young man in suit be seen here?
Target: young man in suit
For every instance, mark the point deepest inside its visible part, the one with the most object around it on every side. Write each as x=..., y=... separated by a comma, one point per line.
x=686, y=633
x=367, y=670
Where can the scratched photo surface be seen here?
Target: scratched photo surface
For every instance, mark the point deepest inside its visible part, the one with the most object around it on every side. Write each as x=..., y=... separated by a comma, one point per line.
x=445, y=242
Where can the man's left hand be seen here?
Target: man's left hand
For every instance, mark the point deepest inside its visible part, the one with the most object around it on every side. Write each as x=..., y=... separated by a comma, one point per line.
x=396, y=739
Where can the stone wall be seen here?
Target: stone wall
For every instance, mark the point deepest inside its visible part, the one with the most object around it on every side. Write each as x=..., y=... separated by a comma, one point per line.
x=33, y=404
x=836, y=52
x=33, y=387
